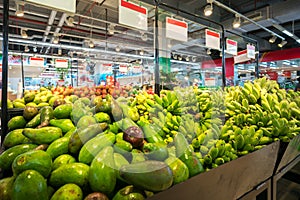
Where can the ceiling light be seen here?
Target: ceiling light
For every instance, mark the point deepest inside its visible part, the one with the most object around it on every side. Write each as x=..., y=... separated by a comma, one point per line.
x=194, y=58
x=35, y=49
x=26, y=49
x=70, y=21
x=56, y=40
x=179, y=57
x=298, y=41
x=288, y=33
x=24, y=34
x=118, y=49
x=187, y=58
x=175, y=56
x=208, y=52
x=59, y=52
x=186, y=78
x=144, y=36
x=236, y=22
x=272, y=39
x=208, y=10
x=142, y=52
x=10, y=67
x=221, y=54
x=91, y=44
x=19, y=9
x=111, y=29
x=282, y=43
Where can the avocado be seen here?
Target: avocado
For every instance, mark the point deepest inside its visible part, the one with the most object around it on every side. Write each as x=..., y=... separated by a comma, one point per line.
x=34, y=122
x=62, y=160
x=64, y=124
x=102, y=117
x=58, y=147
x=30, y=184
x=29, y=112
x=19, y=105
x=102, y=176
x=128, y=193
x=37, y=160
x=96, y=196
x=86, y=121
x=16, y=123
x=149, y=175
x=6, y=188
x=44, y=135
x=63, y=111
x=29, y=97
x=76, y=173
x=14, y=138
x=179, y=170
x=68, y=191
x=46, y=116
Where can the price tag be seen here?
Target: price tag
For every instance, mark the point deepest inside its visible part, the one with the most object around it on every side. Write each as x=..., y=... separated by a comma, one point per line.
x=38, y=62
x=133, y=15
x=123, y=68
x=212, y=39
x=61, y=63
x=176, y=29
x=231, y=47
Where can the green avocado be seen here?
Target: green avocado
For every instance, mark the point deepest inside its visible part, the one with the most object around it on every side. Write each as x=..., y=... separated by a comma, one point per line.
x=62, y=160
x=29, y=112
x=14, y=138
x=34, y=122
x=58, y=147
x=64, y=124
x=179, y=169
x=16, y=123
x=128, y=193
x=68, y=191
x=30, y=184
x=86, y=121
x=44, y=135
x=6, y=188
x=63, y=111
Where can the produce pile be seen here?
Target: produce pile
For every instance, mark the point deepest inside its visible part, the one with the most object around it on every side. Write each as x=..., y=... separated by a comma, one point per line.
x=131, y=148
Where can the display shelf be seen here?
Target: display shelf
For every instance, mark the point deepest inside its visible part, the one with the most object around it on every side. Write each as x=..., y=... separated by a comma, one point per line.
x=13, y=112
x=229, y=181
x=262, y=191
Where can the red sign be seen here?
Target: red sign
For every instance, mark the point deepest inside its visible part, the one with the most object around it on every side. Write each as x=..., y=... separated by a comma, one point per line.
x=34, y=61
x=273, y=75
x=287, y=74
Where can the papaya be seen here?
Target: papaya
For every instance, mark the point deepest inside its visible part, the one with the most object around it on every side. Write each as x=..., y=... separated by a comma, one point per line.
x=6, y=188
x=16, y=122
x=182, y=147
x=78, y=112
x=62, y=160
x=46, y=116
x=102, y=117
x=94, y=146
x=86, y=121
x=8, y=156
x=96, y=196
x=58, y=102
x=76, y=173
x=14, y=138
x=19, y=105
x=58, y=147
x=148, y=175
x=102, y=176
x=179, y=169
x=29, y=112
x=34, y=122
x=37, y=160
x=73, y=98
x=104, y=106
x=63, y=111
x=81, y=136
x=64, y=124
x=44, y=135
x=68, y=191
x=31, y=184
x=128, y=193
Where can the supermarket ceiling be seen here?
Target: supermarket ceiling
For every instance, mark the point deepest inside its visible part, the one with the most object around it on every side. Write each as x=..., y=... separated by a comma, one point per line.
x=97, y=21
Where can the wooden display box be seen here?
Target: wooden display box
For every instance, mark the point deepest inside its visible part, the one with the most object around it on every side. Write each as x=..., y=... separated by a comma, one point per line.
x=229, y=181
x=287, y=153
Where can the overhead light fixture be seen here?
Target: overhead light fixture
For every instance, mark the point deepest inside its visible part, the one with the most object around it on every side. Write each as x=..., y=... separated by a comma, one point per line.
x=144, y=36
x=186, y=78
x=10, y=67
x=118, y=49
x=70, y=21
x=272, y=39
x=19, y=9
x=175, y=56
x=298, y=41
x=237, y=21
x=142, y=52
x=208, y=10
x=111, y=29
x=23, y=33
x=56, y=40
x=282, y=43
x=34, y=49
x=179, y=57
x=59, y=52
x=26, y=49
x=194, y=58
x=91, y=44
x=221, y=54
x=187, y=58
x=208, y=51
x=288, y=33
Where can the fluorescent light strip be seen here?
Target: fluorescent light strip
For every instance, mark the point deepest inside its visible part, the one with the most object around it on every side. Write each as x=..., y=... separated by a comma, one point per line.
x=288, y=33
x=298, y=41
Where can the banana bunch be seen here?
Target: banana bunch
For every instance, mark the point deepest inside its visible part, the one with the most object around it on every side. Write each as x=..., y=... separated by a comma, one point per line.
x=169, y=101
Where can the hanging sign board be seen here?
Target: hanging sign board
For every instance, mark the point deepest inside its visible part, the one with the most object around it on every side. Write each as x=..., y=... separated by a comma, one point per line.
x=231, y=47
x=136, y=69
x=68, y=6
x=123, y=68
x=61, y=63
x=38, y=62
x=133, y=15
x=241, y=57
x=250, y=51
x=176, y=29
x=212, y=39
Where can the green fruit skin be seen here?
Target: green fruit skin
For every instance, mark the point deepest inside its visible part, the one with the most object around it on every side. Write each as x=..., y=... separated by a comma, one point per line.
x=6, y=188
x=179, y=169
x=94, y=146
x=63, y=111
x=14, y=138
x=70, y=132
x=64, y=124
x=8, y=156
x=29, y=112
x=102, y=176
x=34, y=122
x=43, y=104
x=193, y=164
x=81, y=136
x=156, y=151
x=129, y=193
x=58, y=147
x=46, y=116
x=44, y=135
x=19, y=105
x=86, y=121
x=50, y=191
x=16, y=122
x=62, y=160
x=37, y=160
x=182, y=146
x=119, y=162
x=30, y=184
x=69, y=191
x=148, y=175
x=137, y=156
x=96, y=196
x=102, y=117
x=76, y=173
x=29, y=97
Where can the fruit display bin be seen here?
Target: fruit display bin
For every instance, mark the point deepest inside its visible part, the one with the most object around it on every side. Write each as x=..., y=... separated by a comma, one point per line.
x=287, y=153
x=13, y=112
x=229, y=181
